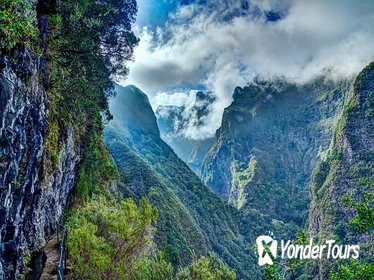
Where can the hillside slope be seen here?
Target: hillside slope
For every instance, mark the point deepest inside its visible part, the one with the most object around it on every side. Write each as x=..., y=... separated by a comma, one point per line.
x=191, y=217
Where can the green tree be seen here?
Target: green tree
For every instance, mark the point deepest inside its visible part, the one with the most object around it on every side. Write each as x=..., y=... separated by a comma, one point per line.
x=272, y=272
x=109, y=239
x=279, y=270
x=154, y=268
x=353, y=270
x=17, y=22
x=207, y=268
x=361, y=200
x=89, y=43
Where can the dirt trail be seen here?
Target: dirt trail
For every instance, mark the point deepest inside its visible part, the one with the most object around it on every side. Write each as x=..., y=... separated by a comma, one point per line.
x=53, y=257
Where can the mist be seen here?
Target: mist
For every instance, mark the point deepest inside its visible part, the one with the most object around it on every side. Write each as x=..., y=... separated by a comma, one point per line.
x=220, y=45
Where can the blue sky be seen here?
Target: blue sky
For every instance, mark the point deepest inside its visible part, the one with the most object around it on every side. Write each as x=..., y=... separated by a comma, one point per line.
x=155, y=12
x=221, y=44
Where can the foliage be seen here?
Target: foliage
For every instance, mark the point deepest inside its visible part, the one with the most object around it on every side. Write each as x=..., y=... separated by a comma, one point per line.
x=89, y=43
x=354, y=270
x=96, y=169
x=207, y=268
x=272, y=272
x=191, y=217
x=294, y=264
x=267, y=174
x=17, y=22
x=154, y=268
x=107, y=238
x=279, y=271
x=346, y=183
x=362, y=202
x=113, y=240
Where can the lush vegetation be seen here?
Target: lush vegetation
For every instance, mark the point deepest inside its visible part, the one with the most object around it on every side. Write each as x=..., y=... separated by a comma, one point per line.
x=89, y=43
x=270, y=139
x=287, y=269
x=96, y=170
x=107, y=238
x=114, y=240
x=363, y=223
x=191, y=218
x=17, y=23
x=361, y=200
x=207, y=268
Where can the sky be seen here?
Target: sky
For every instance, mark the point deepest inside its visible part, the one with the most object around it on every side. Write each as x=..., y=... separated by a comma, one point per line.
x=217, y=45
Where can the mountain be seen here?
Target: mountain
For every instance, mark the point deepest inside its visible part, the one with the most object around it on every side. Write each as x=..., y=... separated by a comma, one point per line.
x=191, y=217
x=174, y=121
x=347, y=170
x=287, y=156
x=271, y=136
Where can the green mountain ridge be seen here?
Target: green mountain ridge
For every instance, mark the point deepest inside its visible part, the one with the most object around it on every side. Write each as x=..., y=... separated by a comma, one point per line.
x=271, y=137
x=191, y=217
x=348, y=170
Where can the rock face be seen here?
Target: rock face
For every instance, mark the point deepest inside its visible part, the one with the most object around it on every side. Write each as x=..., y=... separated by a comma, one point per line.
x=33, y=193
x=191, y=217
x=270, y=138
x=349, y=166
x=174, y=121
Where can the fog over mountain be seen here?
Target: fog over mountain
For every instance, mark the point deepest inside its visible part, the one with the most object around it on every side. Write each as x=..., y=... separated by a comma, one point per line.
x=218, y=45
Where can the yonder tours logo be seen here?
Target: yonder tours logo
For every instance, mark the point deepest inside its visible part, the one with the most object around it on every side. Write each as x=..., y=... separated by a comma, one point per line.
x=268, y=248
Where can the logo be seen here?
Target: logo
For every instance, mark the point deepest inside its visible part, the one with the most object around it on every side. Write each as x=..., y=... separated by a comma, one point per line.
x=267, y=249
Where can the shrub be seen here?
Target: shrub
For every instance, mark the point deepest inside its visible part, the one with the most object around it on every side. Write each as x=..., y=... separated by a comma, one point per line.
x=16, y=22
x=108, y=239
x=207, y=268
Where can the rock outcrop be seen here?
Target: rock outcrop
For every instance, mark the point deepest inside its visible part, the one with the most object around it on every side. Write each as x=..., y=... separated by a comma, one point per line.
x=33, y=191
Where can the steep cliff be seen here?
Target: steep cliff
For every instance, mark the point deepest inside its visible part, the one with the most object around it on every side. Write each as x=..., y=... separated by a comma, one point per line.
x=191, y=217
x=270, y=138
x=33, y=192
x=56, y=70
x=348, y=169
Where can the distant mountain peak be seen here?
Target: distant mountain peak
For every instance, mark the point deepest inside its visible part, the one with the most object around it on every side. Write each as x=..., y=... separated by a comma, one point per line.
x=132, y=111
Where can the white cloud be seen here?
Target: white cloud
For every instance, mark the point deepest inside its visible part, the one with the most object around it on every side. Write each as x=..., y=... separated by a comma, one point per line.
x=198, y=47
x=173, y=98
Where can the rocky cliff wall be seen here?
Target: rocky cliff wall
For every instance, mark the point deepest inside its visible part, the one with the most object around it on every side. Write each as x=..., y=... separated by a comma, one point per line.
x=348, y=170
x=33, y=191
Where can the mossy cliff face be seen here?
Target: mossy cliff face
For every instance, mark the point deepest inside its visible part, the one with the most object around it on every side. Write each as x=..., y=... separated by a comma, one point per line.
x=33, y=191
x=57, y=66
x=349, y=166
x=270, y=138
